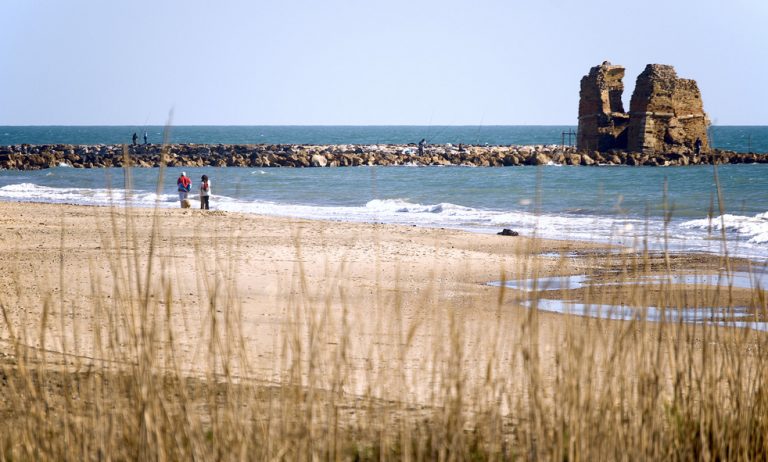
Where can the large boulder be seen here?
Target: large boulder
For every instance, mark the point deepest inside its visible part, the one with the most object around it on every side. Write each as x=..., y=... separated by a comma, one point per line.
x=318, y=160
x=538, y=158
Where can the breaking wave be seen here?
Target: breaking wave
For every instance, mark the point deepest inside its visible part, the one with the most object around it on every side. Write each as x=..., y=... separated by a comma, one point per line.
x=753, y=229
x=748, y=236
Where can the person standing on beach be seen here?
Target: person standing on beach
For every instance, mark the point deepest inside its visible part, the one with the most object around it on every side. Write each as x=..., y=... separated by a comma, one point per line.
x=205, y=192
x=145, y=137
x=422, y=143
x=134, y=138
x=184, y=185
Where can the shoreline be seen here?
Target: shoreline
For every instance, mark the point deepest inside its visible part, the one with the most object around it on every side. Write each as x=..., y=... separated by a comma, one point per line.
x=86, y=268
x=565, y=257
x=109, y=312
x=652, y=247
x=78, y=253
x=35, y=157
x=657, y=248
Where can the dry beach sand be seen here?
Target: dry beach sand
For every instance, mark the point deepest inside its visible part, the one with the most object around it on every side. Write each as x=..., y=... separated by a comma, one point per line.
x=73, y=253
x=181, y=334
x=266, y=290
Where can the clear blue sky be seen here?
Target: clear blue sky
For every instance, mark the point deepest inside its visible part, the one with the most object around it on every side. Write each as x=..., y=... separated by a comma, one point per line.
x=473, y=62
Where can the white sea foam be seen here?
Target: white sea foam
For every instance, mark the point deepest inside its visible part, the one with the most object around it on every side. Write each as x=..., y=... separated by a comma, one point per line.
x=402, y=206
x=399, y=211
x=28, y=192
x=753, y=229
x=636, y=233
x=402, y=211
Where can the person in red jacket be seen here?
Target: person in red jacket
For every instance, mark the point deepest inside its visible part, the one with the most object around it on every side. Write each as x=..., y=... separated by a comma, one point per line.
x=184, y=185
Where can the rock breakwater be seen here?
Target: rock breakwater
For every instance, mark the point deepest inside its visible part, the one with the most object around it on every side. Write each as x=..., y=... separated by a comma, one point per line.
x=36, y=157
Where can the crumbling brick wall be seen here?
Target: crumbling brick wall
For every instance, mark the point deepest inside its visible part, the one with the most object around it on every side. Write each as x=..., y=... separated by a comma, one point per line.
x=602, y=120
x=666, y=112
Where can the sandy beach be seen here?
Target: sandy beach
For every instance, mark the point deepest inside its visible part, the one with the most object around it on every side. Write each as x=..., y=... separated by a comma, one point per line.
x=67, y=255
x=438, y=231
x=397, y=291
x=385, y=329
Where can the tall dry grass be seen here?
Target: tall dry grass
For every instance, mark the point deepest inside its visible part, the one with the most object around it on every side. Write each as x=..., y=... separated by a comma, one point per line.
x=373, y=382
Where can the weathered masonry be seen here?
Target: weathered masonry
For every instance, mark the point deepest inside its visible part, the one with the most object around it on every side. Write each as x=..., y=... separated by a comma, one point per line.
x=666, y=113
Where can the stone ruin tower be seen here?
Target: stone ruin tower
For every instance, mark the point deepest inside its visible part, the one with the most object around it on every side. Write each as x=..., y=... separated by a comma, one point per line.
x=666, y=113
x=602, y=120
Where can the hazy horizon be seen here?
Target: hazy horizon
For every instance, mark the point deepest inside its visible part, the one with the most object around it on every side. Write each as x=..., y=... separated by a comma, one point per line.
x=343, y=63
x=333, y=125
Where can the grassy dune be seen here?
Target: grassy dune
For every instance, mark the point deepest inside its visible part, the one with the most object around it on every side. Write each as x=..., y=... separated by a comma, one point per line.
x=364, y=372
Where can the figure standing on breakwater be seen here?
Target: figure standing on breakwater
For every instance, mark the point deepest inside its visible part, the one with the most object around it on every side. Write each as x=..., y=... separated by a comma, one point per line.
x=422, y=143
x=134, y=138
x=205, y=192
x=145, y=137
x=184, y=185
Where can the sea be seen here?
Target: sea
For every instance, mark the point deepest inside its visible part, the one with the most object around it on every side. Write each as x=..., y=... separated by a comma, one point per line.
x=733, y=138
x=720, y=210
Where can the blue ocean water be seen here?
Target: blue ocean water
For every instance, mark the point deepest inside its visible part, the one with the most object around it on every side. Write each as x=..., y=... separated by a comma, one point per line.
x=735, y=138
x=619, y=204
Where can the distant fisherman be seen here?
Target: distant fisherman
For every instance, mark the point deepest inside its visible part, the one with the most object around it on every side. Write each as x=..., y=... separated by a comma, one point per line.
x=135, y=138
x=422, y=143
x=145, y=137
